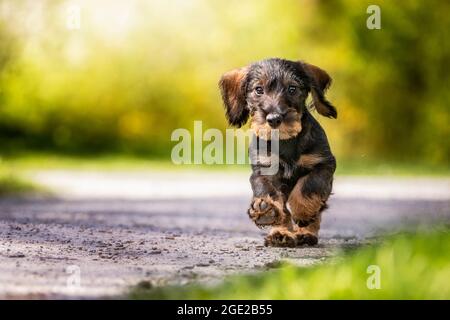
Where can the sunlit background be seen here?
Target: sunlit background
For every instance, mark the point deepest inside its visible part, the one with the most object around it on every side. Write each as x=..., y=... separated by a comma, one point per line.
x=127, y=73
x=91, y=90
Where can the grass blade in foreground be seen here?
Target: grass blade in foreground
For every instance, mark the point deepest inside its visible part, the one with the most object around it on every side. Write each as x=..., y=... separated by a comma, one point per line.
x=411, y=267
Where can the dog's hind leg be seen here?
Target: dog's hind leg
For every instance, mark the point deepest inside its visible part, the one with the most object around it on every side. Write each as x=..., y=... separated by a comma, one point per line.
x=293, y=236
x=307, y=201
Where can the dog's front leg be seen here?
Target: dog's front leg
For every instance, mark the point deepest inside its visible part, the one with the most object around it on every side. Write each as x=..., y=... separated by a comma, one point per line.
x=268, y=205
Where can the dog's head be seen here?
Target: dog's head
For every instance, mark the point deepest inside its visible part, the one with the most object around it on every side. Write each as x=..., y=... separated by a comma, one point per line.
x=273, y=92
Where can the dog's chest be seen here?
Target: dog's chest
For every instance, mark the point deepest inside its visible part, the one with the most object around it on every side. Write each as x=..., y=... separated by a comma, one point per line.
x=288, y=156
x=288, y=150
x=286, y=153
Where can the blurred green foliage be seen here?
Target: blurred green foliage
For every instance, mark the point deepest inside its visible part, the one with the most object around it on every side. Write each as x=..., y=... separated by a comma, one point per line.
x=136, y=70
x=411, y=267
x=12, y=184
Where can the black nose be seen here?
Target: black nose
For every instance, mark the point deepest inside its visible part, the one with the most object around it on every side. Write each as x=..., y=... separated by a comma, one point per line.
x=274, y=120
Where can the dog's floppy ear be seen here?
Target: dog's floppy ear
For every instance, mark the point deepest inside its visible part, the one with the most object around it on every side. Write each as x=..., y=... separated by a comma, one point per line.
x=320, y=81
x=233, y=88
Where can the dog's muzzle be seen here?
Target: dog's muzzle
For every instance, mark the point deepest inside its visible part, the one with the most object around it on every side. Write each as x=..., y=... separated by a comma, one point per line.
x=274, y=120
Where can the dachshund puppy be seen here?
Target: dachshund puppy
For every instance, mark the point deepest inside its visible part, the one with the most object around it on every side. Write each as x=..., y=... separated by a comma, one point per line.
x=273, y=94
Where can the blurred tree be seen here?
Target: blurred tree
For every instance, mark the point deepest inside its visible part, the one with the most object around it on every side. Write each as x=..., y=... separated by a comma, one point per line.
x=396, y=76
x=136, y=70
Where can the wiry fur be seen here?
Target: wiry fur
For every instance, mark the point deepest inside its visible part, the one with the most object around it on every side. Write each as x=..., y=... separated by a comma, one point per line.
x=292, y=200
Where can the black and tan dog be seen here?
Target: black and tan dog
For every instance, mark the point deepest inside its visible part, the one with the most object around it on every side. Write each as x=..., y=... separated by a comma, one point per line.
x=273, y=94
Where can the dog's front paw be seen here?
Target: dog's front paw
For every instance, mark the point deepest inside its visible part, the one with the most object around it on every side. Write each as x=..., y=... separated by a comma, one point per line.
x=306, y=238
x=281, y=237
x=266, y=211
x=304, y=221
x=287, y=237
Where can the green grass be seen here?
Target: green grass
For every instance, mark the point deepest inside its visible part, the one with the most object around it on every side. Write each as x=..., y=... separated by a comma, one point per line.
x=373, y=167
x=36, y=161
x=412, y=267
x=12, y=184
x=14, y=168
x=113, y=162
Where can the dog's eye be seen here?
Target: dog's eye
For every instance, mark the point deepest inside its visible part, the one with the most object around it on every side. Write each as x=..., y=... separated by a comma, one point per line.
x=292, y=89
x=259, y=90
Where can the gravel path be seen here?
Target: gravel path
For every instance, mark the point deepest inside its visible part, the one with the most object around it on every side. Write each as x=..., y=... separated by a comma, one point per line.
x=108, y=231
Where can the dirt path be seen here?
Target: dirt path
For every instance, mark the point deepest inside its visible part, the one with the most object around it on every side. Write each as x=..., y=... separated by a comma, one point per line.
x=117, y=229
